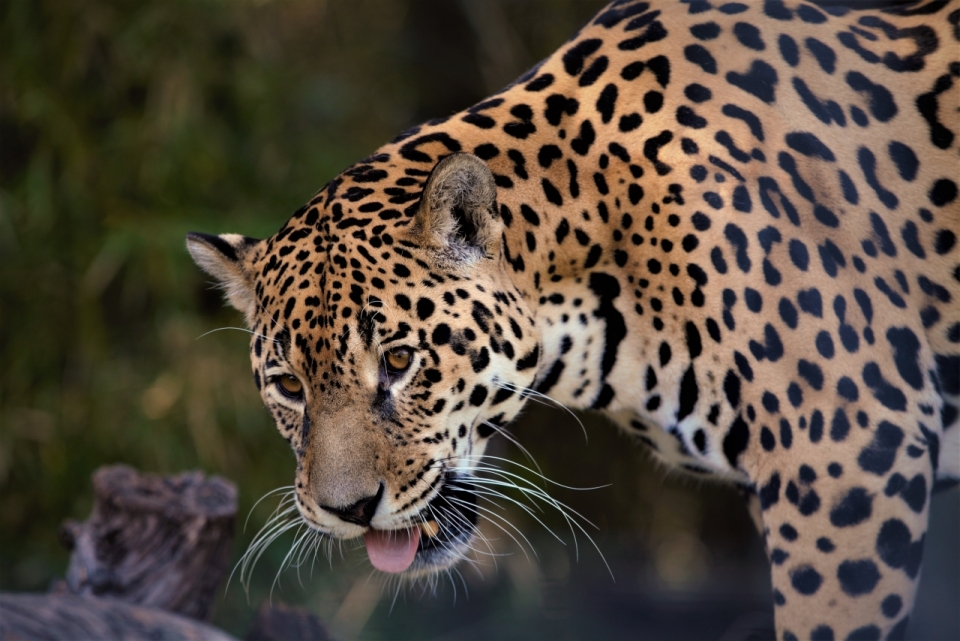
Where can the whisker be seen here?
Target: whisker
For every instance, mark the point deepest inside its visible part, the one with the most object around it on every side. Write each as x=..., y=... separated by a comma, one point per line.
x=487, y=492
x=548, y=480
x=532, y=393
x=503, y=432
x=286, y=488
x=493, y=515
x=239, y=329
x=298, y=538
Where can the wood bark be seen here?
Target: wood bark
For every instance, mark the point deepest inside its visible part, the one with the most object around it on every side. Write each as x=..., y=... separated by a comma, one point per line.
x=52, y=617
x=157, y=541
x=147, y=565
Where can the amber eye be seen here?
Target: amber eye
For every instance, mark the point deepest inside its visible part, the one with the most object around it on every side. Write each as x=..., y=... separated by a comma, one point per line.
x=290, y=386
x=398, y=359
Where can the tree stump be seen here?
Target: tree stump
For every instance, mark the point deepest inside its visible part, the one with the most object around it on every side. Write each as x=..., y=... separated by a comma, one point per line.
x=145, y=565
x=157, y=541
x=54, y=617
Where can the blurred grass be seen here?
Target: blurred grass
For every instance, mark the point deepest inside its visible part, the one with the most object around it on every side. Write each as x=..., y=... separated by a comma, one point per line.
x=123, y=125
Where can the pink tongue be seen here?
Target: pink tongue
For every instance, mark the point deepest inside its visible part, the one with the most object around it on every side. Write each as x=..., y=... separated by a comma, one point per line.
x=392, y=550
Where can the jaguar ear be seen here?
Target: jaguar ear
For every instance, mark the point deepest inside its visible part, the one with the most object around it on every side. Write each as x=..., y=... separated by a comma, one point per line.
x=224, y=258
x=458, y=209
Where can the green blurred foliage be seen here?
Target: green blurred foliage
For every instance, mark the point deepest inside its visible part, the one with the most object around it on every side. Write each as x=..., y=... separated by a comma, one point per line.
x=126, y=123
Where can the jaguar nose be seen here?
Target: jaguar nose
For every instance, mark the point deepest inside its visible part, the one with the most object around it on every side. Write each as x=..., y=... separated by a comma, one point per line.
x=360, y=512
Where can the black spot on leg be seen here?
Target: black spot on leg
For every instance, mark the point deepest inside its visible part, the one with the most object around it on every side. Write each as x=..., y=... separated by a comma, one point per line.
x=914, y=493
x=854, y=508
x=822, y=633
x=878, y=457
x=858, y=577
x=789, y=532
x=891, y=605
x=816, y=426
x=840, y=426
x=805, y=580
x=896, y=548
x=948, y=371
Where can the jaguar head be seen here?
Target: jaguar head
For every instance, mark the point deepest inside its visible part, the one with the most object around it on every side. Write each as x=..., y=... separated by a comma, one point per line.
x=389, y=344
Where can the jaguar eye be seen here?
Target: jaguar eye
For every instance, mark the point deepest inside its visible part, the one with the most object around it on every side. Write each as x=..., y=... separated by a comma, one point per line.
x=398, y=359
x=290, y=386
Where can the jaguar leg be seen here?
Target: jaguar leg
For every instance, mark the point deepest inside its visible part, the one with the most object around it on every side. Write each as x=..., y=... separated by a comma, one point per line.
x=845, y=529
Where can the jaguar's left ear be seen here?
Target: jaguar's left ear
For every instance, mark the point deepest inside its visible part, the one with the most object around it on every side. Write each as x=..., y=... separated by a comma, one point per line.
x=458, y=209
x=225, y=258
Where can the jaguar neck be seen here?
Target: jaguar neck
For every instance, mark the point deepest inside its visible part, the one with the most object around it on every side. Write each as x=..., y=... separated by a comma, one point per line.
x=576, y=205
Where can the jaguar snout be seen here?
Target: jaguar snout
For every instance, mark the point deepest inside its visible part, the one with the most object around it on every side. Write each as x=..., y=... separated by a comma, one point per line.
x=359, y=512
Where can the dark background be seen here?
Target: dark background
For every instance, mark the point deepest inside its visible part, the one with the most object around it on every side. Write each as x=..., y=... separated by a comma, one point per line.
x=126, y=123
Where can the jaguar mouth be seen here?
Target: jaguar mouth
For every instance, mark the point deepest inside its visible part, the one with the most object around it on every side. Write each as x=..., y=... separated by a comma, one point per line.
x=439, y=539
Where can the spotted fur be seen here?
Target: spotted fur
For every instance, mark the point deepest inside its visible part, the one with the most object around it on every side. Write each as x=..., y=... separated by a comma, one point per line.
x=731, y=227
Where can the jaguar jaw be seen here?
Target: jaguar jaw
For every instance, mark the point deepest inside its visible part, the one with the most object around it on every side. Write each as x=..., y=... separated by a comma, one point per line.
x=439, y=539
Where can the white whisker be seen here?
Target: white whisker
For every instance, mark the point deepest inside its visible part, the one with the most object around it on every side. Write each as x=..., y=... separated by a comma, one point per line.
x=532, y=393
x=239, y=329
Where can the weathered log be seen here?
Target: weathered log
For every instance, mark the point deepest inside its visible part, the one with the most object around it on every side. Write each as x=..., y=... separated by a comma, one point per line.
x=280, y=622
x=157, y=541
x=52, y=617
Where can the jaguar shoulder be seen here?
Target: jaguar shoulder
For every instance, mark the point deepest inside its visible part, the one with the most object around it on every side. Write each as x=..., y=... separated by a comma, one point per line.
x=729, y=226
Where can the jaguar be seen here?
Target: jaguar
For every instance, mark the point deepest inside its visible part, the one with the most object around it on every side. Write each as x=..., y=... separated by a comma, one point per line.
x=730, y=227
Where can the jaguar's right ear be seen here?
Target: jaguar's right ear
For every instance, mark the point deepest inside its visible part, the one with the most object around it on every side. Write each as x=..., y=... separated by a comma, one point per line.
x=223, y=257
